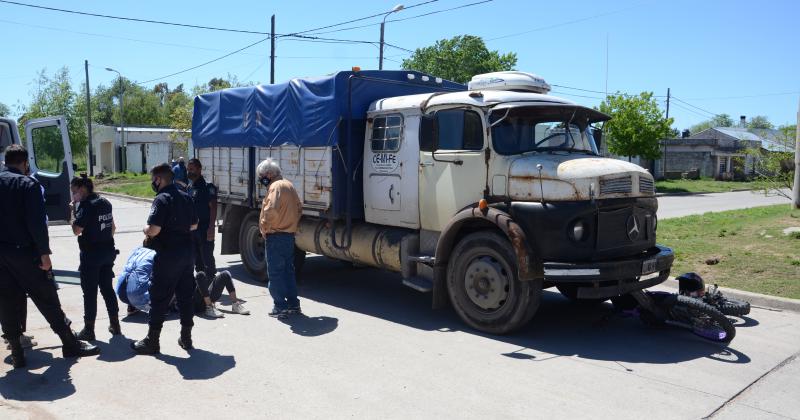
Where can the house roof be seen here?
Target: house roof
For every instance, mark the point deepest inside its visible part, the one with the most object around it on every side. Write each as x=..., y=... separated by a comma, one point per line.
x=770, y=138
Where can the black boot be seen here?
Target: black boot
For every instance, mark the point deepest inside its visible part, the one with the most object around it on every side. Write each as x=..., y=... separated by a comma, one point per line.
x=149, y=344
x=113, y=324
x=87, y=333
x=186, y=338
x=72, y=347
x=17, y=353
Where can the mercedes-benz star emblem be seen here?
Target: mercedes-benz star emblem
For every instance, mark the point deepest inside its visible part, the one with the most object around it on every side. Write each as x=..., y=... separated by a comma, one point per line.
x=633, y=227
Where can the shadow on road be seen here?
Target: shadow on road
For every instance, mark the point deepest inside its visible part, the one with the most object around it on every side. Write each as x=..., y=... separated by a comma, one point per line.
x=53, y=384
x=200, y=365
x=311, y=326
x=560, y=327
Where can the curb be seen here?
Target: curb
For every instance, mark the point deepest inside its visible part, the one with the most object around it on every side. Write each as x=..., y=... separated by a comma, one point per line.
x=678, y=194
x=755, y=299
x=126, y=197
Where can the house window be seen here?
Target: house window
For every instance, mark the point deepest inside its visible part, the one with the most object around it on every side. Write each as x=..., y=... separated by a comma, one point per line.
x=386, y=133
x=723, y=165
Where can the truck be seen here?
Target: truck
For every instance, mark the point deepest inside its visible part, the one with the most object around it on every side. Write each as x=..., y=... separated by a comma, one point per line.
x=50, y=158
x=482, y=195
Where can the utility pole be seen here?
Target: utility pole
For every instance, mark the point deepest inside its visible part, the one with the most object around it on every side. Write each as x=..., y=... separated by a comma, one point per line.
x=796, y=188
x=664, y=164
x=272, y=51
x=395, y=9
x=89, y=118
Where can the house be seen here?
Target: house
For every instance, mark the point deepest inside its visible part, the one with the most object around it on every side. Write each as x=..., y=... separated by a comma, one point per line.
x=144, y=147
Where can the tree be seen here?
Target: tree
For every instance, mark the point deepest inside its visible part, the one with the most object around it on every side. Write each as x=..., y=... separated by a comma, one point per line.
x=721, y=120
x=4, y=110
x=459, y=58
x=636, y=125
x=53, y=95
x=759, y=121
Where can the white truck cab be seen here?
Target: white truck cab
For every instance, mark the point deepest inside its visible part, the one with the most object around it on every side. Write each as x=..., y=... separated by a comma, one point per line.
x=483, y=196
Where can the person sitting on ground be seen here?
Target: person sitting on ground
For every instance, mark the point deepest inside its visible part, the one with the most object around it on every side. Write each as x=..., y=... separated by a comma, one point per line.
x=208, y=293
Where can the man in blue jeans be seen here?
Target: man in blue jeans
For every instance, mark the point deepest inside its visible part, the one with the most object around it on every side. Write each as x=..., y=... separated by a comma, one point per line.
x=280, y=214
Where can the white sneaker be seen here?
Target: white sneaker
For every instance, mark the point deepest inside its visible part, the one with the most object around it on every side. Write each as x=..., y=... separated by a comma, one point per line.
x=213, y=312
x=238, y=307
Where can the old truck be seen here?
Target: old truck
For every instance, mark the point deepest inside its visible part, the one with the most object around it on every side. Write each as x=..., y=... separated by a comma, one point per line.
x=482, y=195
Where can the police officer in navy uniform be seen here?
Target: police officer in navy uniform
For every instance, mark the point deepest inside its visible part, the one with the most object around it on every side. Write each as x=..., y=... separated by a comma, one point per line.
x=25, y=259
x=169, y=232
x=204, y=196
x=94, y=225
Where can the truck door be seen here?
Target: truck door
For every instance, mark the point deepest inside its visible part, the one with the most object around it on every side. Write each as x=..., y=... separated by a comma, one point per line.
x=51, y=163
x=391, y=156
x=452, y=164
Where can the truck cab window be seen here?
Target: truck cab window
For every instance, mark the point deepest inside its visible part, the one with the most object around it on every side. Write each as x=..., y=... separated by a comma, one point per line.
x=459, y=129
x=48, y=148
x=386, y=133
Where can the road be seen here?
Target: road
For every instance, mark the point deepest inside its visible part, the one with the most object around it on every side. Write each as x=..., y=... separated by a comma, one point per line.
x=684, y=205
x=369, y=347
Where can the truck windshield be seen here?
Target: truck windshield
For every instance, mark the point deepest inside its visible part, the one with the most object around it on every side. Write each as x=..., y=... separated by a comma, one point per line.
x=543, y=129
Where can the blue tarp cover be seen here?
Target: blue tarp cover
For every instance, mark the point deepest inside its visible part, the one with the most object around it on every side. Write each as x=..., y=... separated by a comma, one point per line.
x=303, y=112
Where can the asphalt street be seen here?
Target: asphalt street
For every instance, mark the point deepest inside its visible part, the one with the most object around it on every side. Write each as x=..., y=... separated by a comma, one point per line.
x=368, y=347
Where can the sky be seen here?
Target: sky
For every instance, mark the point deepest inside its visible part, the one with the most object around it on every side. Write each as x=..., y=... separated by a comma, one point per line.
x=717, y=56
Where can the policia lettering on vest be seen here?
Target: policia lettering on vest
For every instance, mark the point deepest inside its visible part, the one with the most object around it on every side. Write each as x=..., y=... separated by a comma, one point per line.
x=169, y=232
x=93, y=223
x=25, y=259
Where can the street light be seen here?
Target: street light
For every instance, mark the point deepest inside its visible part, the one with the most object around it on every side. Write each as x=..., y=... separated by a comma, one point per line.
x=397, y=8
x=124, y=154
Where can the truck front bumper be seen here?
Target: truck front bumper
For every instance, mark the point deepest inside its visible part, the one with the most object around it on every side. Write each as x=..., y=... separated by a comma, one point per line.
x=604, y=279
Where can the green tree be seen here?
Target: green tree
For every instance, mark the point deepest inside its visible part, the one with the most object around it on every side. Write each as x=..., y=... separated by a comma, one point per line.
x=721, y=120
x=636, y=125
x=53, y=95
x=759, y=121
x=459, y=58
x=4, y=110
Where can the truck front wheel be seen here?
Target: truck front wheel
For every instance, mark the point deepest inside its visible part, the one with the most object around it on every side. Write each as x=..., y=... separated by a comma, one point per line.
x=251, y=247
x=484, y=287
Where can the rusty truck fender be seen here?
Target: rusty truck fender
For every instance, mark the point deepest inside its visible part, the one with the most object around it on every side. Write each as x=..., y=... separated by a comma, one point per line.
x=529, y=266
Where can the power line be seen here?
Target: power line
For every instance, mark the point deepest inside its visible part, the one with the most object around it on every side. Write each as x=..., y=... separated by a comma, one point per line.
x=695, y=107
x=569, y=22
x=746, y=96
x=685, y=108
x=574, y=94
x=360, y=19
x=206, y=63
x=159, y=22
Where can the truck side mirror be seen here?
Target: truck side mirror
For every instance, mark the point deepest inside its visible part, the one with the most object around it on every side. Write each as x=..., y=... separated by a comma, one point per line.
x=597, y=134
x=427, y=133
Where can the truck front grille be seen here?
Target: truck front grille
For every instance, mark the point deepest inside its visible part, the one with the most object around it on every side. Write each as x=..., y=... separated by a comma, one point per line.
x=616, y=186
x=646, y=185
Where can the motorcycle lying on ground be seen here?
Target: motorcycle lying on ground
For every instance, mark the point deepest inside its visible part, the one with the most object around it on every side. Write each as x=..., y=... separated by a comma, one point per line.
x=701, y=311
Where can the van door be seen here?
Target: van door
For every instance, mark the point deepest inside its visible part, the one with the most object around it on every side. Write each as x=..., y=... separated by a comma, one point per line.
x=51, y=163
x=8, y=136
x=452, y=164
x=391, y=156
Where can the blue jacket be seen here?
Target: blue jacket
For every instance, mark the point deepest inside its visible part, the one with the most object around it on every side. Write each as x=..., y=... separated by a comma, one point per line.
x=133, y=284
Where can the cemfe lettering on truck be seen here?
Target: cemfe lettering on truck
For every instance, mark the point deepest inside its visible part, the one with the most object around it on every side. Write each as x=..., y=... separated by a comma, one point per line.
x=481, y=195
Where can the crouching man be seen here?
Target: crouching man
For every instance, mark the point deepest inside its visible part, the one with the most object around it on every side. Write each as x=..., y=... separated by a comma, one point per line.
x=280, y=214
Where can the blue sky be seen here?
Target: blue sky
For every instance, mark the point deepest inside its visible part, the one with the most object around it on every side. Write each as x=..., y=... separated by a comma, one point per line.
x=712, y=54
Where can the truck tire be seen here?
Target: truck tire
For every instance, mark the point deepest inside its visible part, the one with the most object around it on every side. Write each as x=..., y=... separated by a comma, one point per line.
x=251, y=247
x=484, y=287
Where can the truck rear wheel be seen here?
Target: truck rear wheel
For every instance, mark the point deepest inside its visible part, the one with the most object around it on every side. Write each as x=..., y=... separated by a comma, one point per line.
x=251, y=247
x=484, y=287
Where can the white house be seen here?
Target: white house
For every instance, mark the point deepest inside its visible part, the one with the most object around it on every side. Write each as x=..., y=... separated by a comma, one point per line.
x=144, y=148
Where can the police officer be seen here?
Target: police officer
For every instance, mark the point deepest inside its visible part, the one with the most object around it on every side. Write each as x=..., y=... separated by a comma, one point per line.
x=25, y=259
x=93, y=223
x=204, y=196
x=169, y=228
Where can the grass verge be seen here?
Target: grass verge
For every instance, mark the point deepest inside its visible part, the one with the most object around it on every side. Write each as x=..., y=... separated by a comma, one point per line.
x=137, y=185
x=704, y=185
x=752, y=251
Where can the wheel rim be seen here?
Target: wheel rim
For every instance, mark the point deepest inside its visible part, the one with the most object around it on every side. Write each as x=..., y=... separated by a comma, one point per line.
x=486, y=283
x=255, y=252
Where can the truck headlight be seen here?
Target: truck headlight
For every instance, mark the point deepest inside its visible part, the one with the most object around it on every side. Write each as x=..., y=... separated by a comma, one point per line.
x=578, y=230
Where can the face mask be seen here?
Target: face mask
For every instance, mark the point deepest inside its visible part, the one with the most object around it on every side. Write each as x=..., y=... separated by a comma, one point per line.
x=155, y=186
x=264, y=181
x=76, y=197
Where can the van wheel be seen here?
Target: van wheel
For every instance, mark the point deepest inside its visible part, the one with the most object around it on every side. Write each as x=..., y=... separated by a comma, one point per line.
x=484, y=287
x=251, y=247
